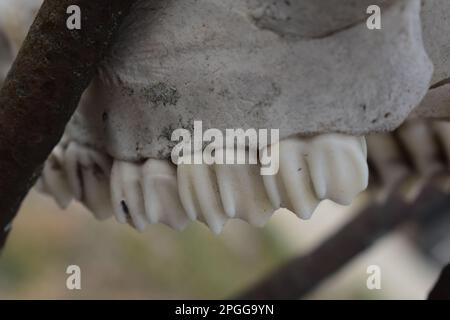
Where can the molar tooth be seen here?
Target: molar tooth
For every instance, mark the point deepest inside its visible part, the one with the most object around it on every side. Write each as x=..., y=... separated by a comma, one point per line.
x=150, y=185
x=199, y=191
x=88, y=173
x=73, y=169
x=97, y=195
x=126, y=192
x=388, y=161
x=275, y=190
x=242, y=191
x=386, y=157
x=338, y=167
x=442, y=129
x=418, y=140
x=185, y=191
x=328, y=166
x=226, y=189
x=120, y=208
x=272, y=187
x=362, y=141
x=252, y=202
x=162, y=202
x=220, y=191
x=56, y=183
x=273, y=184
x=294, y=172
x=96, y=175
x=54, y=180
x=41, y=185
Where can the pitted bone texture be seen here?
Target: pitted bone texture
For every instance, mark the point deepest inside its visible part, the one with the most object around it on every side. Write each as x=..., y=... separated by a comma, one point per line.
x=436, y=23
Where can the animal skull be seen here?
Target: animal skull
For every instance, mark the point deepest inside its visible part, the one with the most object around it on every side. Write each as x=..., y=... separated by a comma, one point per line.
x=309, y=68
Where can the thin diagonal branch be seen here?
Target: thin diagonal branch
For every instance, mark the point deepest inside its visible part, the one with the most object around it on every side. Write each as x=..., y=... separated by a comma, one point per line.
x=43, y=88
x=441, y=290
x=302, y=274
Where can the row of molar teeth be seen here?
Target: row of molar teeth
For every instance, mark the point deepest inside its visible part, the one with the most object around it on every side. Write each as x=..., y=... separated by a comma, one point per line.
x=76, y=172
x=88, y=172
x=215, y=193
x=328, y=166
x=146, y=193
x=418, y=150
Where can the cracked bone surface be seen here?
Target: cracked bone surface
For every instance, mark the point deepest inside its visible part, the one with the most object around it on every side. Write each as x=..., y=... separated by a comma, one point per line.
x=240, y=64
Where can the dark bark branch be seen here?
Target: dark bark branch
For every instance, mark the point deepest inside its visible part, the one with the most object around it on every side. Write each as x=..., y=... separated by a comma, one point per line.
x=441, y=290
x=43, y=88
x=301, y=275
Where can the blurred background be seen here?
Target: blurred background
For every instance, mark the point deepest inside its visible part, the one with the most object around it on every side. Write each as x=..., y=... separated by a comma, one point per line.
x=117, y=262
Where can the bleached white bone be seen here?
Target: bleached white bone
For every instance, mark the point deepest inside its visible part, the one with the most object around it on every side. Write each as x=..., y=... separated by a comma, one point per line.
x=155, y=191
x=212, y=60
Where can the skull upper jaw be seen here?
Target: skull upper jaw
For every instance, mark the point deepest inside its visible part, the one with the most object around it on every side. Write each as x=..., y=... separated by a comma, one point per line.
x=214, y=65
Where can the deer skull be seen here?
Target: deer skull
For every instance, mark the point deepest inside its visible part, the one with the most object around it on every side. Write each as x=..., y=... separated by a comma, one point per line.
x=311, y=69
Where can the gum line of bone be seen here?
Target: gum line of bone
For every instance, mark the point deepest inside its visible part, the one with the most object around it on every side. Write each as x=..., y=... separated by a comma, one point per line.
x=329, y=166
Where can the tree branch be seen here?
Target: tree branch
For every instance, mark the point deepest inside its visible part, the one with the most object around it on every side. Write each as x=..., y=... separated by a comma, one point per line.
x=302, y=274
x=441, y=290
x=43, y=88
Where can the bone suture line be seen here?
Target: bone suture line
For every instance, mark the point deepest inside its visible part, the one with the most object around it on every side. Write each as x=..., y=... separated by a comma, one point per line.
x=329, y=166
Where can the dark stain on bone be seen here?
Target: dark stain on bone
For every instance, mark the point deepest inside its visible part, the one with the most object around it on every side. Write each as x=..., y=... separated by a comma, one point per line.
x=124, y=206
x=161, y=94
x=166, y=136
x=105, y=116
x=127, y=91
x=166, y=132
x=126, y=211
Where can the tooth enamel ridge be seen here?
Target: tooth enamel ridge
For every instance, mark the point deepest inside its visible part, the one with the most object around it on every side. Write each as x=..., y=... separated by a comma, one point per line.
x=329, y=166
